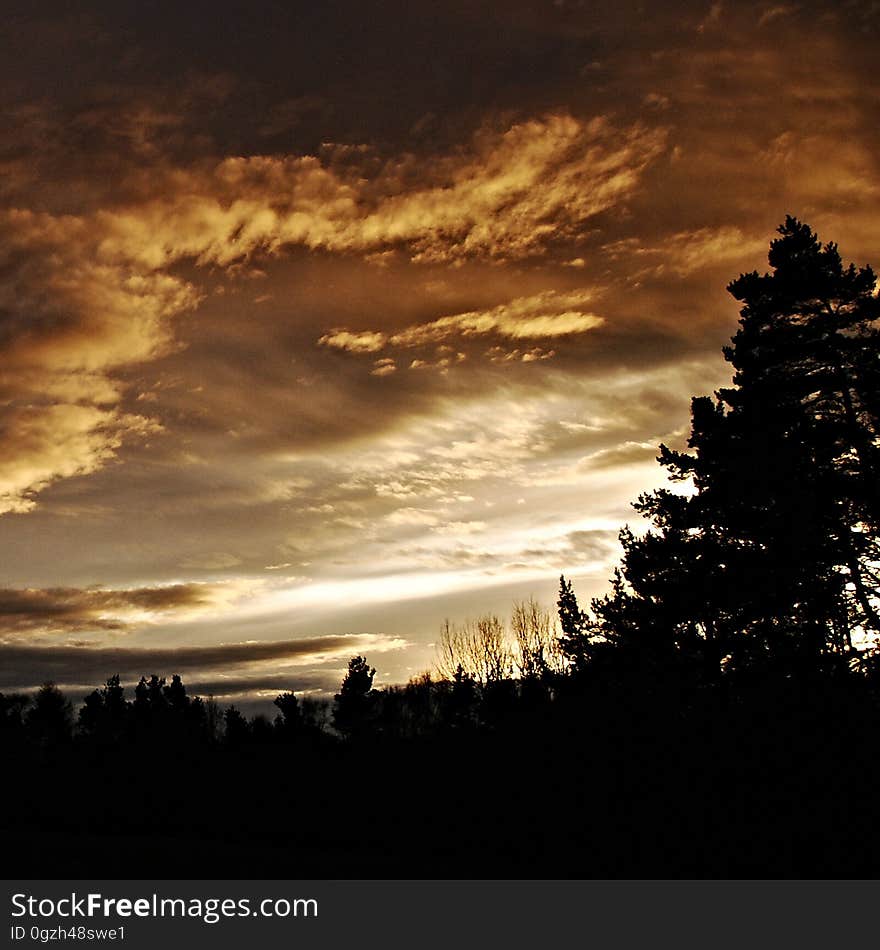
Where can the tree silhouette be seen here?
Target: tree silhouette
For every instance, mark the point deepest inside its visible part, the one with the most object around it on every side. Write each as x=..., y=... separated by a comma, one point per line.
x=459, y=709
x=479, y=648
x=175, y=695
x=49, y=717
x=12, y=714
x=237, y=727
x=353, y=703
x=536, y=654
x=574, y=642
x=289, y=721
x=771, y=562
x=809, y=351
x=104, y=713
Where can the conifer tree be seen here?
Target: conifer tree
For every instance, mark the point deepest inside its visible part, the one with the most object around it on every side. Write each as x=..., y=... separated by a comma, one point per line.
x=574, y=641
x=353, y=703
x=771, y=561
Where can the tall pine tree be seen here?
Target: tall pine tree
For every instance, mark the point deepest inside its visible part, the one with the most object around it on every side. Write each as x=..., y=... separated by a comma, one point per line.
x=772, y=561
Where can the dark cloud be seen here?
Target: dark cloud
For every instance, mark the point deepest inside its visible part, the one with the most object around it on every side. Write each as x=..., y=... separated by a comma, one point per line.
x=323, y=682
x=593, y=545
x=24, y=666
x=73, y=610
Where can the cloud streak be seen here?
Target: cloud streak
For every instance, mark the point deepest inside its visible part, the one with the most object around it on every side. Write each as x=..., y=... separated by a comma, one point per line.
x=25, y=666
x=67, y=610
x=548, y=315
x=515, y=191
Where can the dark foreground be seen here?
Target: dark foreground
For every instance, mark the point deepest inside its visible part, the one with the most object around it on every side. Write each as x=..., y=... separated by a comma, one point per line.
x=762, y=783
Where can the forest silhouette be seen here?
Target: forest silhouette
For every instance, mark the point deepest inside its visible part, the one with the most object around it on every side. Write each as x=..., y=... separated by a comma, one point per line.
x=715, y=714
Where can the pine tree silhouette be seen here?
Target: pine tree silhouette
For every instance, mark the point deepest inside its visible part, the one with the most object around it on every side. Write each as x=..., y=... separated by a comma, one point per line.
x=770, y=564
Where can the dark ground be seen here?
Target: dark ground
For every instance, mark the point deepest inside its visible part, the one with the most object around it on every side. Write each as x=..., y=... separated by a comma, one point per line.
x=618, y=786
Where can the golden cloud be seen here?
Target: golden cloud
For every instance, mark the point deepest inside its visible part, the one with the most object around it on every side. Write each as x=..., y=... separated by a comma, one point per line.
x=83, y=296
x=516, y=190
x=383, y=367
x=68, y=324
x=39, y=444
x=370, y=341
x=687, y=252
x=538, y=180
x=547, y=315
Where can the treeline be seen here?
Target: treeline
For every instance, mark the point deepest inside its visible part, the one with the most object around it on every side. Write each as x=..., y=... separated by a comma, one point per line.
x=519, y=764
x=484, y=670
x=160, y=712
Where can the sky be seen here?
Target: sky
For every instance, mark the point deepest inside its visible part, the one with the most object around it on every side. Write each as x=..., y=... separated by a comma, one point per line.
x=325, y=322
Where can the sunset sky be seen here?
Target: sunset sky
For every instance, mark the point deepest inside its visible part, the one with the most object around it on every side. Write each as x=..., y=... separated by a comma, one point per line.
x=323, y=322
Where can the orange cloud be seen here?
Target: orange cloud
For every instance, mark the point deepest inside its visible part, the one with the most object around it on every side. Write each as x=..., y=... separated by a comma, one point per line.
x=42, y=443
x=537, y=181
x=546, y=315
x=70, y=323
x=687, y=252
x=92, y=294
x=370, y=341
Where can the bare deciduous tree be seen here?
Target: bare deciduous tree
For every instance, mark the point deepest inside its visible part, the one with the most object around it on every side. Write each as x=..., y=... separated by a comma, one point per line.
x=478, y=649
x=536, y=652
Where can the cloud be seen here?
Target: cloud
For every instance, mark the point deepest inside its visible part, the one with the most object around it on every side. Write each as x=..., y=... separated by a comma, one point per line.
x=596, y=544
x=67, y=324
x=775, y=13
x=217, y=561
x=627, y=453
x=383, y=367
x=411, y=516
x=85, y=296
x=267, y=684
x=457, y=529
x=497, y=354
x=712, y=18
x=802, y=157
x=39, y=444
x=369, y=341
x=687, y=252
x=69, y=610
x=25, y=666
x=561, y=551
x=547, y=315
x=535, y=182
x=446, y=357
